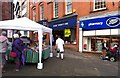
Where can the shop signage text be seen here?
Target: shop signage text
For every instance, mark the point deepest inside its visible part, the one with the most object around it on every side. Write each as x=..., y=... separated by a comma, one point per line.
x=43, y=22
x=63, y=23
x=113, y=22
x=96, y=23
x=101, y=23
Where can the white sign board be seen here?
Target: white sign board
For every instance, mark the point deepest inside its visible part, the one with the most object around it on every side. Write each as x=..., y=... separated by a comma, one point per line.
x=9, y=33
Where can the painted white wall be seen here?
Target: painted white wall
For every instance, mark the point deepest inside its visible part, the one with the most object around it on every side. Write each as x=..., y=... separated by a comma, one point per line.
x=89, y=33
x=103, y=32
x=115, y=31
x=24, y=11
x=15, y=2
x=80, y=40
x=28, y=35
x=118, y=31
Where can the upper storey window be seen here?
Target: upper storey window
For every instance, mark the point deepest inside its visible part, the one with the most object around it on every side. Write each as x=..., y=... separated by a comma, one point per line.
x=56, y=8
x=68, y=6
x=99, y=5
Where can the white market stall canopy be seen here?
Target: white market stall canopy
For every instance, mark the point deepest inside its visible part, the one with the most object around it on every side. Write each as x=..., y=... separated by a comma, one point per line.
x=27, y=24
x=23, y=24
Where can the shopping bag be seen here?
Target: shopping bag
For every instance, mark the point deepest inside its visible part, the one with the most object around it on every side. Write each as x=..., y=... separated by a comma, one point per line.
x=23, y=59
x=13, y=54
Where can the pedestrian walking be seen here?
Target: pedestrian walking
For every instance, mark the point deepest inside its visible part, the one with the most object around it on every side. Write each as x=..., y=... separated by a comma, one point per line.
x=60, y=47
x=3, y=47
x=17, y=47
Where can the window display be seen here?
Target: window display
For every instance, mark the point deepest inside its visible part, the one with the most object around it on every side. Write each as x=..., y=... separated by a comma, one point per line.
x=96, y=43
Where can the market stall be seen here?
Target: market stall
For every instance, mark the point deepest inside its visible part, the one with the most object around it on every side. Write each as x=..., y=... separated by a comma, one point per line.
x=29, y=25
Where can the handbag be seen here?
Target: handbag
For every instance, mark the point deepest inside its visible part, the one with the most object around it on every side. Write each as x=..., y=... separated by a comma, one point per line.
x=13, y=54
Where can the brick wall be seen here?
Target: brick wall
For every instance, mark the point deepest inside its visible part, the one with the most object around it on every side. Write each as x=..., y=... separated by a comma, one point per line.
x=81, y=8
x=7, y=11
x=0, y=10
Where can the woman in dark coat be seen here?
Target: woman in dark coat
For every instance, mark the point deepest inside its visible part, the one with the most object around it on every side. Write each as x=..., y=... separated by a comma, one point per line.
x=17, y=47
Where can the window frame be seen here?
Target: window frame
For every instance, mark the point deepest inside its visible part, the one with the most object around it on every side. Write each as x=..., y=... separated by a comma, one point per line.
x=55, y=9
x=42, y=11
x=34, y=14
x=66, y=7
x=100, y=7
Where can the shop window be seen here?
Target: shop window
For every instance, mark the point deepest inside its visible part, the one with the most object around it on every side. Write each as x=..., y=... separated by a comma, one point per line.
x=85, y=43
x=99, y=41
x=102, y=41
x=69, y=36
x=96, y=43
x=56, y=8
x=115, y=40
x=68, y=6
x=93, y=45
x=41, y=12
x=99, y=5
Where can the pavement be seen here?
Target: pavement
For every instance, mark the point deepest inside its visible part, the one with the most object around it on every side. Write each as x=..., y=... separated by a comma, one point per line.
x=73, y=64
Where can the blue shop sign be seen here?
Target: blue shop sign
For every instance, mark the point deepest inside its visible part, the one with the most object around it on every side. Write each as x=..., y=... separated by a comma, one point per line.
x=43, y=22
x=101, y=23
x=63, y=23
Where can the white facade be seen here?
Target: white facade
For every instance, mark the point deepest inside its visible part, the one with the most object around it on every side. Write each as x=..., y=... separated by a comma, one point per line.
x=93, y=39
x=22, y=12
x=15, y=4
x=94, y=33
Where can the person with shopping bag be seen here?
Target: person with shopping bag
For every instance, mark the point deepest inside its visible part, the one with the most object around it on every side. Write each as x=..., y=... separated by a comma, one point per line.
x=17, y=47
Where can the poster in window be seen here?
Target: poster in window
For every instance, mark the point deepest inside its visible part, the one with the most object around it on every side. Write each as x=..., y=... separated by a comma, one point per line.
x=67, y=32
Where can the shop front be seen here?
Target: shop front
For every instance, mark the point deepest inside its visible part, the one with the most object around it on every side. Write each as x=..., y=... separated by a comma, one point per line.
x=95, y=32
x=65, y=27
x=43, y=22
